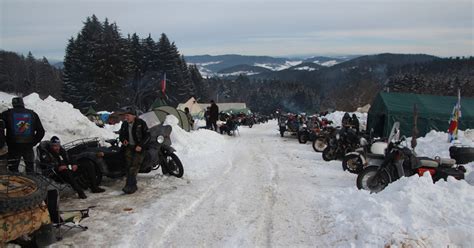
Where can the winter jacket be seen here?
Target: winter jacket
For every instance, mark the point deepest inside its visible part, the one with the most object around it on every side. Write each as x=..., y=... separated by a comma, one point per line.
x=139, y=132
x=54, y=159
x=24, y=128
x=214, y=112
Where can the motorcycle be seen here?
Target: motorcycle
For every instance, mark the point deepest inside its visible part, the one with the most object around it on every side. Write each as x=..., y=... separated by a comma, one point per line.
x=110, y=161
x=401, y=161
x=322, y=139
x=343, y=142
x=370, y=152
x=289, y=124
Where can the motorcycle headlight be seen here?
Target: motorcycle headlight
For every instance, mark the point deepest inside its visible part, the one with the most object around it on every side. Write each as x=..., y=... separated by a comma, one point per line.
x=160, y=139
x=338, y=136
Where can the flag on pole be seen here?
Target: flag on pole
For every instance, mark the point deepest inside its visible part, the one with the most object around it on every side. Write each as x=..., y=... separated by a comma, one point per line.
x=454, y=122
x=163, y=83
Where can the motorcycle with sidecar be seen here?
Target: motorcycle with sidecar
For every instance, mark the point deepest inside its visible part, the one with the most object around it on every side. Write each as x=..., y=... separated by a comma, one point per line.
x=109, y=160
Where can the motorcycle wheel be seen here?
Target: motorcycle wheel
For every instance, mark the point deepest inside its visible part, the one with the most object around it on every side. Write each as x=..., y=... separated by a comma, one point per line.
x=282, y=133
x=82, y=180
x=352, y=163
x=328, y=154
x=366, y=178
x=319, y=144
x=303, y=138
x=251, y=125
x=174, y=165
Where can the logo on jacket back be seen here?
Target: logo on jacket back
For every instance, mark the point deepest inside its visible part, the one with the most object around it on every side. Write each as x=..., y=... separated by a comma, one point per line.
x=22, y=123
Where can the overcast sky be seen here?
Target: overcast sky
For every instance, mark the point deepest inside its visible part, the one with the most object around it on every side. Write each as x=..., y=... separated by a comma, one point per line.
x=258, y=27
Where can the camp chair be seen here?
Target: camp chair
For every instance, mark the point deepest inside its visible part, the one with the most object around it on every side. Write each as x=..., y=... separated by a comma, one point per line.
x=66, y=219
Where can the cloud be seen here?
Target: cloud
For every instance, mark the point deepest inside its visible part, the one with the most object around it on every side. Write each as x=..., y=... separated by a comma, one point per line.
x=441, y=27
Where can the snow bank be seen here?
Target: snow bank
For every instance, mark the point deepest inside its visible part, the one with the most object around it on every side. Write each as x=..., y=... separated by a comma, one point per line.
x=201, y=150
x=59, y=118
x=411, y=211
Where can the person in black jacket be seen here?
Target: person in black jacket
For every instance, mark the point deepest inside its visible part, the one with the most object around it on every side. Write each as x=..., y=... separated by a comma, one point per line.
x=134, y=136
x=355, y=123
x=24, y=131
x=66, y=169
x=214, y=115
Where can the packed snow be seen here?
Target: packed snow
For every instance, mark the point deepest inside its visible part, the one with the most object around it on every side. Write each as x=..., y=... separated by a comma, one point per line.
x=257, y=189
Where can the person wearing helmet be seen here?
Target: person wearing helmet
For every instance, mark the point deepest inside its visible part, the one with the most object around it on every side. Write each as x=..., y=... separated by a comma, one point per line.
x=133, y=135
x=24, y=131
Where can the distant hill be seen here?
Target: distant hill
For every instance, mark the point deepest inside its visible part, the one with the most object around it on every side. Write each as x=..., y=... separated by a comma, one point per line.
x=210, y=65
x=306, y=66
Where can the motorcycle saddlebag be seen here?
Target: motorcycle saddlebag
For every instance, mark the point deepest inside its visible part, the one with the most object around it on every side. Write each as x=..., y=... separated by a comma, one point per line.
x=462, y=154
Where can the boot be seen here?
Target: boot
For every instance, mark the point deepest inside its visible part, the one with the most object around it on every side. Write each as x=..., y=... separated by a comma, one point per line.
x=127, y=189
x=131, y=186
x=81, y=195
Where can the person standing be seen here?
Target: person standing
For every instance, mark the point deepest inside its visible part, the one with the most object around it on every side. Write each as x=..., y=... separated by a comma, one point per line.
x=355, y=123
x=24, y=131
x=133, y=135
x=214, y=115
x=190, y=118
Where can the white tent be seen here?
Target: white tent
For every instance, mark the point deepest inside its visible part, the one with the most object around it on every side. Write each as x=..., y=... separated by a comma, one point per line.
x=195, y=108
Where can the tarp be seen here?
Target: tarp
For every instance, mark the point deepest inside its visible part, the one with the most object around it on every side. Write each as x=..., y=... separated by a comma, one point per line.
x=434, y=113
x=196, y=110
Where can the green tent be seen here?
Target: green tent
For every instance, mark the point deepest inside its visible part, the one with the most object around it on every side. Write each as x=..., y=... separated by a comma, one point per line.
x=159, y=102
x=163, y=111
x=434, y=113
x=91, y=111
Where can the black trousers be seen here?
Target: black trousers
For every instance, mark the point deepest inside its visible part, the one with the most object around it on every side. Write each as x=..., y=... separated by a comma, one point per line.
x=87, y=170
x=68, y=177
x=14, y=156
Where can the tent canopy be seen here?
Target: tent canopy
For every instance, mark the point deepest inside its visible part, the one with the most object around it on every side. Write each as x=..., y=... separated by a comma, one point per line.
x=164, y=111
x=434, y=113
x=195, y=108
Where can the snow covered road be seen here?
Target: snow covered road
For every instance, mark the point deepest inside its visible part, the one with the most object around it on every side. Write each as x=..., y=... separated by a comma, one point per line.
x=258, y=189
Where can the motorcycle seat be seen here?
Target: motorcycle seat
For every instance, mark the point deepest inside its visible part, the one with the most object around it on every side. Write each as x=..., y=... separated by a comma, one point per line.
x=447, y=162
x=428, y=162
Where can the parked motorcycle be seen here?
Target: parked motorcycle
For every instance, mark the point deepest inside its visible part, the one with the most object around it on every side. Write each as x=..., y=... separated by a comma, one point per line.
x=288, y=124
x=401, y=161
x=110, y=161
x=366, y=155
x=322, y=139
x=343, y=142
x=370, y=152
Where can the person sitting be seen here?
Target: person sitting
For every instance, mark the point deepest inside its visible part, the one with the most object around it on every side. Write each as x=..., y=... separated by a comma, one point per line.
x=58, y=157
